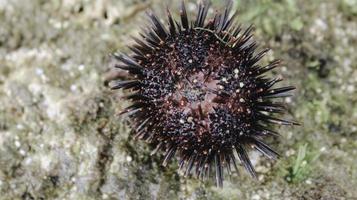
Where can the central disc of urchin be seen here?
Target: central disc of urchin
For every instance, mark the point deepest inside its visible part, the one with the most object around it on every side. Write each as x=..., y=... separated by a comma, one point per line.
x=195, y=93
x=198, y=93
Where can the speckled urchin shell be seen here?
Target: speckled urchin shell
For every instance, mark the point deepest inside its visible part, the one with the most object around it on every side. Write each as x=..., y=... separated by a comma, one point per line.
x=198, y=92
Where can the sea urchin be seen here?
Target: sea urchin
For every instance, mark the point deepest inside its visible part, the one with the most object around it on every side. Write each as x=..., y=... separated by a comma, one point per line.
x=198, y=92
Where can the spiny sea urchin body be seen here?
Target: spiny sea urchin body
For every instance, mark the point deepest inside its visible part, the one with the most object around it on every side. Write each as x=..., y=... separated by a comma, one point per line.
x=198, y=92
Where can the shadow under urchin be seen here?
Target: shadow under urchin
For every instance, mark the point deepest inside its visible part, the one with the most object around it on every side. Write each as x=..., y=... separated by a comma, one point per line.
x=198, y=92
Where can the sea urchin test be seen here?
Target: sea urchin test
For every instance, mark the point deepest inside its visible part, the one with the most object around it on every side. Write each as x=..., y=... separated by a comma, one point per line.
x=199, y=94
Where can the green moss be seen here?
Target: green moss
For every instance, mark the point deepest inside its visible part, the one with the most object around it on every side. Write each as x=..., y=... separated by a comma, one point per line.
x=348, y=7
x=272, y=16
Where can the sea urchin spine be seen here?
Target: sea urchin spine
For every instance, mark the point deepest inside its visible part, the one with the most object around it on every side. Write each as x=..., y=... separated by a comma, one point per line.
x=198, y=92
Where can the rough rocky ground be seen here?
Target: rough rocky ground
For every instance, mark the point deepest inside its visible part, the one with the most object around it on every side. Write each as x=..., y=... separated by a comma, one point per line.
x=60, y=137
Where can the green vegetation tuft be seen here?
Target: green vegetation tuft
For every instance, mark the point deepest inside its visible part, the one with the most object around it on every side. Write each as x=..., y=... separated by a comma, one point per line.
x=301, y=165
